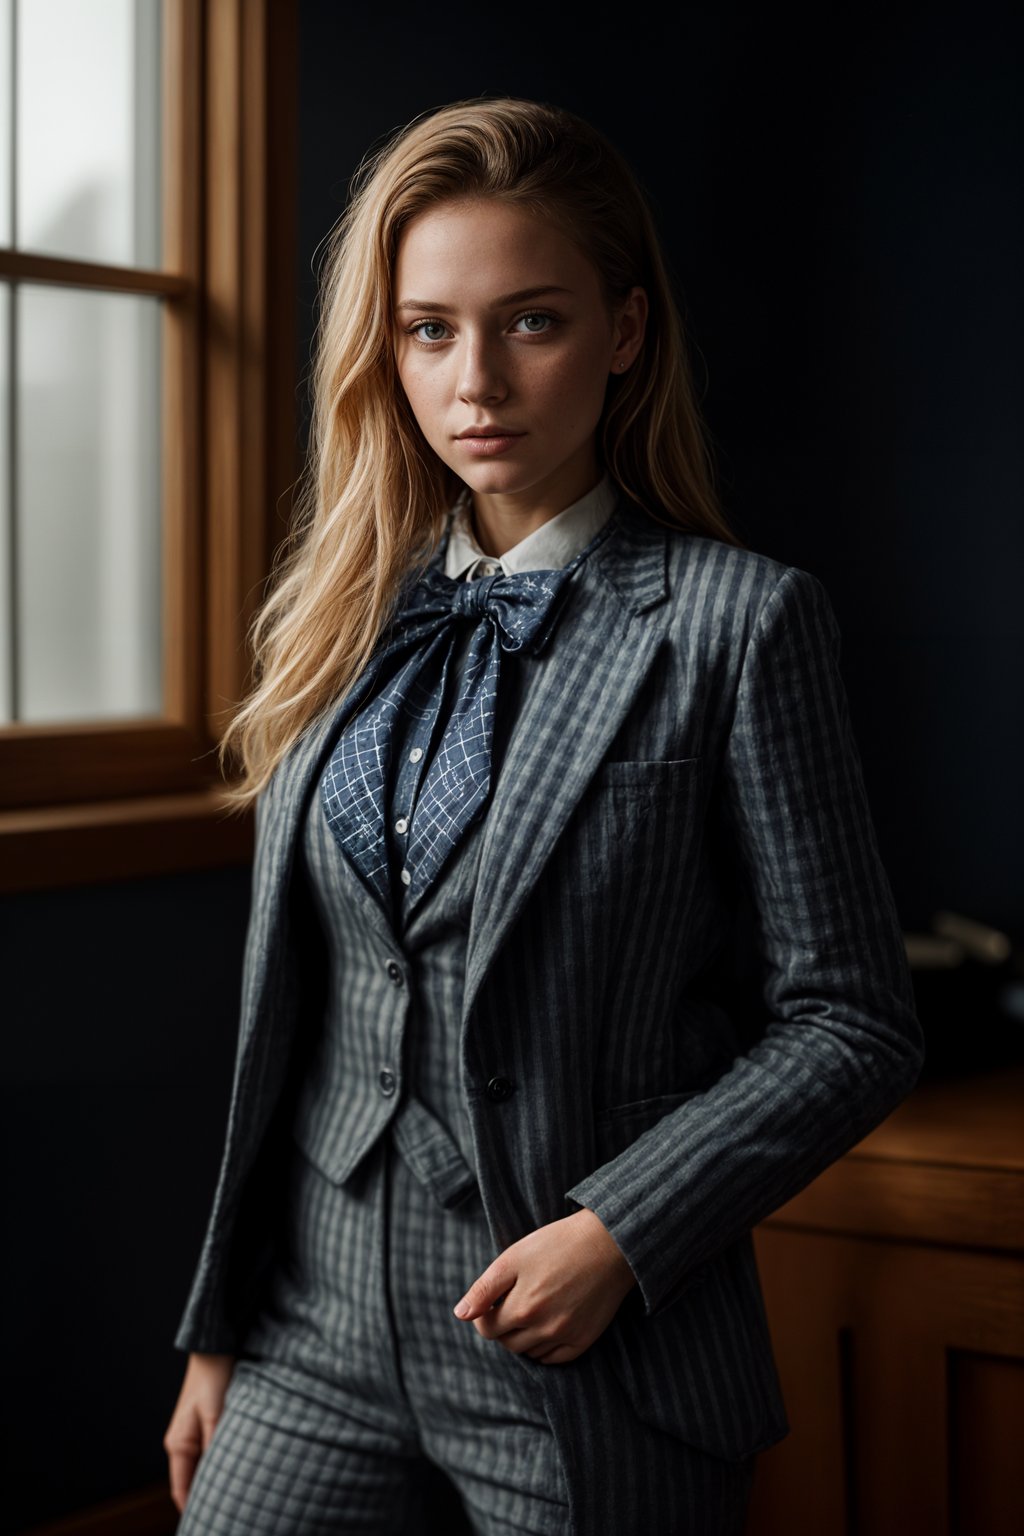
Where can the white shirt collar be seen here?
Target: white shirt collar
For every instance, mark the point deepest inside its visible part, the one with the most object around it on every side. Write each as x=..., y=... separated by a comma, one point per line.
x=547, y=548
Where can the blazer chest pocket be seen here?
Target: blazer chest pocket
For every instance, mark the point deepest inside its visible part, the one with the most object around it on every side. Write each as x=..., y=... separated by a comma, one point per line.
x=638, y=826
x=647, y=776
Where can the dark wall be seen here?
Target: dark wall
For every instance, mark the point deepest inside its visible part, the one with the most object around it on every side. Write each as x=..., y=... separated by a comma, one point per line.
x=120, y=1006
x=839, y=198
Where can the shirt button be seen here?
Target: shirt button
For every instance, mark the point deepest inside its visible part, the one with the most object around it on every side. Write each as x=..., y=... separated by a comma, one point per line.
x=401, y=825
x=394, y=970
x=387, y=1082
x=406, y=877
x=490, y=568
x=415, y=754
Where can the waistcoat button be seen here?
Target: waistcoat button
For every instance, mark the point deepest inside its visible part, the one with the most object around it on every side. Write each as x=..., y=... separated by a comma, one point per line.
x=499, y=1089
x=387, y=1082
x=394, y=970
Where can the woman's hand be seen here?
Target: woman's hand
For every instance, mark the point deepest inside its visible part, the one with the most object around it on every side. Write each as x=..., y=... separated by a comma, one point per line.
x=551, y=1294
x=194, y=1418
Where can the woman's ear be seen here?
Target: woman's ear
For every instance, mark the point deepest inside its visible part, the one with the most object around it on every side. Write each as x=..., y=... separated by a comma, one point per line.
x=630, y=325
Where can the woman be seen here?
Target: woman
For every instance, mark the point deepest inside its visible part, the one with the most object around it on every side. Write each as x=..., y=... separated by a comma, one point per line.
x=532, y=732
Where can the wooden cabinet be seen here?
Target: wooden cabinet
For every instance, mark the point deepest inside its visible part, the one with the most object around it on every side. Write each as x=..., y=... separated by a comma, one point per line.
x=895, y=1293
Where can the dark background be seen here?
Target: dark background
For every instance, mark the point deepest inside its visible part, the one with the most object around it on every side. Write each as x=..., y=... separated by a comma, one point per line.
x=839, y=194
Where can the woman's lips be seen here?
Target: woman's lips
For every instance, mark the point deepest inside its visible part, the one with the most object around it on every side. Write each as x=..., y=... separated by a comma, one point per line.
x=487, y=447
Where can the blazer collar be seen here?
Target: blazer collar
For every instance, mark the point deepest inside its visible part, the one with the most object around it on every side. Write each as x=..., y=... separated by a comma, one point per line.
x=635, y=561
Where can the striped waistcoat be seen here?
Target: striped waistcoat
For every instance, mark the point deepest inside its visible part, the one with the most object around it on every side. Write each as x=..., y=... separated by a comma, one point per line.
x=401, y=1037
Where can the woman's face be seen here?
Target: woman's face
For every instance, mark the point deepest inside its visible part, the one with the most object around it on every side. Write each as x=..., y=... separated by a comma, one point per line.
x=501, y=325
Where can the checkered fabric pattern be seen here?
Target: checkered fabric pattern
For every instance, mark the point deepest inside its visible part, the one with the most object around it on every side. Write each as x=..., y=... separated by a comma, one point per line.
x=446, y=775
x=355, y=1372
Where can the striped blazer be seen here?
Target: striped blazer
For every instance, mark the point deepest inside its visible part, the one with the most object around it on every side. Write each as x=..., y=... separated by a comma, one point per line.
x=684, y=757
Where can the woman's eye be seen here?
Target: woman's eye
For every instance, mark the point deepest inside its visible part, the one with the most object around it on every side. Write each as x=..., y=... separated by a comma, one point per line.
x=428, y=325
x=531, y=322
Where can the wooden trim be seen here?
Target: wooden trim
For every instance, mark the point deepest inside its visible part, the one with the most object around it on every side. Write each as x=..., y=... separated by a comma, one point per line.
x=250, y=262
x=944, y=1168
x=184, y=610
x=120, y=839
x=918, y=1203
x=28, y=267
x=282, y=441
x=45, y=764
x=231, y=452
x=972, y=1120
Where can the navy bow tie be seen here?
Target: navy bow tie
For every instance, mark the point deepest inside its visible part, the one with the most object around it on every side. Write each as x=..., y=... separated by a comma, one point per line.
x=522, y=607
x=451, y=773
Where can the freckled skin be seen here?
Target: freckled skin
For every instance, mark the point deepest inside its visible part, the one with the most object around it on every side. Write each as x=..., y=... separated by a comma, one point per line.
x=546, y=378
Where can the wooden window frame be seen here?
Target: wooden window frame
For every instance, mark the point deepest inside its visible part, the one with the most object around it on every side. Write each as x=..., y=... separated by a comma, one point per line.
x=99, y=800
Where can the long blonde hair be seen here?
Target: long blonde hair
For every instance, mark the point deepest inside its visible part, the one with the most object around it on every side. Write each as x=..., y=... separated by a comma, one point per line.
x=373, y=497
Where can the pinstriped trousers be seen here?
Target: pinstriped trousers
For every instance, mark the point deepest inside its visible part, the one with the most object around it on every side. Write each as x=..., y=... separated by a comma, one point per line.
x=356, y=1369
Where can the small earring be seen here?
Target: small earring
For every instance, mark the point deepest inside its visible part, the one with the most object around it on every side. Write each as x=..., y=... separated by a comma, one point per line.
x=621, y=366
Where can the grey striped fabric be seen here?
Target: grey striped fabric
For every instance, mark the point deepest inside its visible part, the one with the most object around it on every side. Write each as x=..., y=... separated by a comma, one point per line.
x=685, y=740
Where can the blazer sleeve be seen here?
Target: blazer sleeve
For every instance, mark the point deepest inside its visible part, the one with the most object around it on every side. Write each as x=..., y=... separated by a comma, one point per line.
x=207, y=1321
x=843, y=1045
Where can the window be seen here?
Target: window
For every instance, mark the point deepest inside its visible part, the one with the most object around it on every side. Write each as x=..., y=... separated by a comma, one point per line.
x=147, y=426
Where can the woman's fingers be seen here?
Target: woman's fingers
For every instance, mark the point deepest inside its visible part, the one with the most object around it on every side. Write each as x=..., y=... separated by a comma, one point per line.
x=540, y=1346
x=523, y=1341
x=184, y=1442
x=195, y=1418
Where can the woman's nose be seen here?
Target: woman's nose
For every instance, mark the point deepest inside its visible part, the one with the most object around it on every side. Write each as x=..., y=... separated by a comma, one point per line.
x=480, y=377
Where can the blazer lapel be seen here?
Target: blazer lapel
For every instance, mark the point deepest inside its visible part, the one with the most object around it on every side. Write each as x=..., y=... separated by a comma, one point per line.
x=289, y=788
x=601, y=652
x=286, y=803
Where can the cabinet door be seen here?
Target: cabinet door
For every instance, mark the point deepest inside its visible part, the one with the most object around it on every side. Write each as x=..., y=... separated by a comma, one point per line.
x=902, y=1368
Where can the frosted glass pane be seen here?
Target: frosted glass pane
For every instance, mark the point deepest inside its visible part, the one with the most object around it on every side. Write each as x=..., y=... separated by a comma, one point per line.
x=88, y=129
x=6, y=617
x=6, y=97
x=88, y=632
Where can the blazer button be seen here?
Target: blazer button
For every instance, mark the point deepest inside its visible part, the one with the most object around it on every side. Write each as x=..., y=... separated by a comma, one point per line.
x=499, y=1089
x=395, y=972
x=387, y=1082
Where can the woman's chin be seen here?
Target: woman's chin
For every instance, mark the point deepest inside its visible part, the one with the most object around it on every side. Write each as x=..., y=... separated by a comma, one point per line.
x=496, y=483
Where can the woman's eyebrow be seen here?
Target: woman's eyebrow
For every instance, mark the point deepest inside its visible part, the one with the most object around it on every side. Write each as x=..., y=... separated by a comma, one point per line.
x=506, y=298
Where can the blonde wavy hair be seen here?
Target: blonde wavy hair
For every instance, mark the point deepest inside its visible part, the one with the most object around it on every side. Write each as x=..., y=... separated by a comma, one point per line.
x=372, y=501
